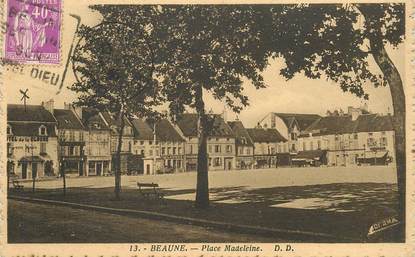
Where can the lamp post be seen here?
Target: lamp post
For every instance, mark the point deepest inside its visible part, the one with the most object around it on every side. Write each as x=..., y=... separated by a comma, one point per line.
x=34, y=171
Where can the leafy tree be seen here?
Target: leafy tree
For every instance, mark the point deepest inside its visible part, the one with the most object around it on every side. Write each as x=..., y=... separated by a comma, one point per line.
x=210, y=49
x=115, y=65
x=336, y=42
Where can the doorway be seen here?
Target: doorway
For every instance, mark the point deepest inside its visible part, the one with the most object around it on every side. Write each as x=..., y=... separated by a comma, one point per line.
x=24, y=170
x=99, y=168
x=148, y=169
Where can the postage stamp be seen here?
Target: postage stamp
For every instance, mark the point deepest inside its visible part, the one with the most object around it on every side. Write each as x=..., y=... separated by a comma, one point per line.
x=33, y=34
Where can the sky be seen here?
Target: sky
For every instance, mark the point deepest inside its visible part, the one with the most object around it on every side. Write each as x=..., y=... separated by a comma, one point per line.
x=298, y=95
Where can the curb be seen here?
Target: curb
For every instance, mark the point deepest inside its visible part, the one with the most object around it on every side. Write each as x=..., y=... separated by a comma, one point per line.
x=245, y=229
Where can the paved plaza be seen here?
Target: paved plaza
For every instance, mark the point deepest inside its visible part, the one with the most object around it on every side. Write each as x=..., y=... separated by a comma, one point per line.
x=302, y=186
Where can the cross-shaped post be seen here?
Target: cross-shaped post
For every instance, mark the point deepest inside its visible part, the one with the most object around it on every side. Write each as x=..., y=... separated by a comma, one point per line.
x=24, y=97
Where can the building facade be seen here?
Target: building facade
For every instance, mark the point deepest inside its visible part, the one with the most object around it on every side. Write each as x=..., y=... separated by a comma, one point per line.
x=32, y=141
x=244, y=146
x=290, y=126
x=220, y=142
x=127, y=139
x=352, y=139
x=97, y=141
x=71, y=142
x=265, y=146
x=171, y=147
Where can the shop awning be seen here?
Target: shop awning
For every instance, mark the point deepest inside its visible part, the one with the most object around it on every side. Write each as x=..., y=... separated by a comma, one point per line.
x=377, y=155
x=31, y=159
x=315, y=155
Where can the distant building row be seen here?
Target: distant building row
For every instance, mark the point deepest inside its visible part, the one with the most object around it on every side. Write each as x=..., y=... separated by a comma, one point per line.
x=81, y=141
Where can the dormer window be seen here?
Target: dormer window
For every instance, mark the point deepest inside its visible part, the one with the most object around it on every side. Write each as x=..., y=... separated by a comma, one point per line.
x=43, y=131
x=9, y=130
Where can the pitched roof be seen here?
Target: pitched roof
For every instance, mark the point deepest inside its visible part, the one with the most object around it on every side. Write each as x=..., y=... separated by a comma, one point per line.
x=91, y=116
x=374, y=123
x=67, y=119
x=165, y=131
x=331, y=125
x=260, y=135
x=240, y=133
x=37, y=113
x=142, y=131
x=112, y=120
x=31, y=129
x=188, y=125
x=303, y=120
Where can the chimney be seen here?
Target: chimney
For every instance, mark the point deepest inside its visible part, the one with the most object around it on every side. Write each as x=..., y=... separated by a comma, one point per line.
x=49, y=105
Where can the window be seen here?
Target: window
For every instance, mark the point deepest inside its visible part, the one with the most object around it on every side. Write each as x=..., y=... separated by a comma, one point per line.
x=243, y=140
x=141, y=142
x=9, y=149
x=163, y=150
x=210, y=148
x=43, y=147
x=150, y=152
x=248, y=151
x=9, y=130
x=42, y=130
x=229, y=148
x=142, y=152
x=174, y=150
x=71, y=150
x=150, y=142
x=72, y=135
x=304, y=147
x=355, y=136
x=217, y=148
x=218, y=162
x=179, y=163
x=179, y=150
x=227, y=139
x=318, y=144
x=383, y=142
x=168, y=150
x=241, y=150
x=371, y=142
x=210, y=161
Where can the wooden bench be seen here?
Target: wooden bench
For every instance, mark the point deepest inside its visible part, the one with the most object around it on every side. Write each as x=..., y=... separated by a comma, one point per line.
x=148, y=189
x=16, y=185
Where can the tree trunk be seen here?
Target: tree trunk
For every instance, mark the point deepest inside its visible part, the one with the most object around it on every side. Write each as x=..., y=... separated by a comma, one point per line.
x=398, y=99
x=118, y=157
x=202, y=187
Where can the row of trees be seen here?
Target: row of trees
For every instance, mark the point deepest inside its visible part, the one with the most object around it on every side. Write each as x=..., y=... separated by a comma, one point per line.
x=140, y=57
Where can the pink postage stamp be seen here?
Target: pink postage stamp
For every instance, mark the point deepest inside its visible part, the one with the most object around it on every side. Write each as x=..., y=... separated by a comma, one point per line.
x=33, y=34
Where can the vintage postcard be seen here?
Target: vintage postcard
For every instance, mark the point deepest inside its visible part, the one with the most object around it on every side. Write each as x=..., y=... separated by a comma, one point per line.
x=140, y=128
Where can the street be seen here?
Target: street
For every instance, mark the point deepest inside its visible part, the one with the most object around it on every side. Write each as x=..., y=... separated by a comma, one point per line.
x=38, y=223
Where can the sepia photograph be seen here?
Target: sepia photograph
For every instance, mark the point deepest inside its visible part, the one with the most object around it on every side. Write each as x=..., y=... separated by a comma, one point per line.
x=185, y=123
